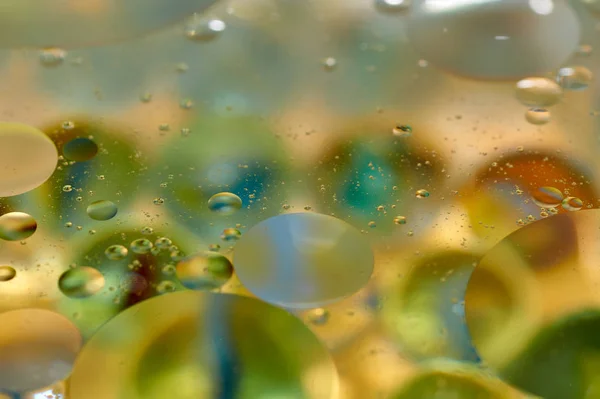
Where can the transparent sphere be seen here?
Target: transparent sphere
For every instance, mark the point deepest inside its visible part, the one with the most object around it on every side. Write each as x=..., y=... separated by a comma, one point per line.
x=490, y=39
x=302, y=260
x=90, y=22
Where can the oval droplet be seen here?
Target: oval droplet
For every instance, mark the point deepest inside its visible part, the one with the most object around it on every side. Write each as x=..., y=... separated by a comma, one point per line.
x=102, y=210
x=81, y=282
x=318, y=317
x=537, y=116
x=422, y=193
x=572, y=204
x=538, y=92
x=203, y=30
x=225, y=203
x=80, y=149
x=400, y=220
x=141, y=246
x=204, y=271
x=16, y=226
x=547, y=197
x=7, y=273
x=116, y=252
x=402, y=131
x=574, y=78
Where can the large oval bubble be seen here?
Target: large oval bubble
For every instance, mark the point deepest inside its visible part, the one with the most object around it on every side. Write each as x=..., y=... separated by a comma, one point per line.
x=491, y=39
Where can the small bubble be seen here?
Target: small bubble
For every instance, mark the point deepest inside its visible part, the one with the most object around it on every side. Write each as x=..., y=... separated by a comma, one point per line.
x=572, y=204
x=537, y=116
x=102, y=210
x=318, y=316
x=68, y=125
x=538, y=92
x=204, y=271
x=52, y=56
x=81, y=282
x=584, y=50
x=7, y=273
x=231, y=234
x=574, y=78
x=17, y=226
x=67, y=188
x=169, y=270
x=400, y=220
x=202, y=30
x=177, y=255
x=147, y=230
x=141, y=246
x=146, y=97
x=422, y=193
x=79, y=199
x=186, y=103
x=100, y=177
x=329, y=63
x=307, y=208
x=116, y=252
x=285, y=206
x=68, y=225
x=158, y=201
x=80, y=149
x=402, y=131
x=214, y=247
x=163, y=243
x=224, y=203
x=164, y=127
x=165, y=287
x=372, y=224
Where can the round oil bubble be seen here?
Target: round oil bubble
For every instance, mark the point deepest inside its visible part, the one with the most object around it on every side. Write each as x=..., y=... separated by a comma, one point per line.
x=537, y=116
x=81, y=282
x=302, y=260
x=572, y=204
x=7, y=273
x=27, y=158
x=486, y=39
x=93, y=22
x=37, y=349
x=224, y=203
x=116, y=252
x=574, y=78
x=190, y=344
x=141, y=246
x=16, y=226
x=538, y=92
x=547, y=197
x=102, y=210
x=204, y=271
x=80, y=149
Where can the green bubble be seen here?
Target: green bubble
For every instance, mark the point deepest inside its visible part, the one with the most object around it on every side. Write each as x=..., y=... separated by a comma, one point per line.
x=204, y=271
x=102, y=210
x=224, y=203
x=81, y=282
x=16, y=226
x=80, y=149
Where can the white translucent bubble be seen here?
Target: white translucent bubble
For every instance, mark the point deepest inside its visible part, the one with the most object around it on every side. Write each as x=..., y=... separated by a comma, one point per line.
x=88, y=22
x=302, y=260
x=27, y=158
x=491, y=39
x=538, y=92
x=574, y=78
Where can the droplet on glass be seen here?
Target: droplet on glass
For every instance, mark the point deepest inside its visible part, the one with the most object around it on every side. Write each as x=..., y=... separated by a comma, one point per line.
x=141, y=246
x=81, y=282
x=402, y=131
x=165, y=287
x=7, y=273
x=116, y=252
x=52, y=56
x=16, y=226
x=163, y=243
x=574, y=78
x=204, y=271
x=80, y=149
x=102, y=210
x=572, y=204
x=203, y=30
x=537, y=116
x=224, y=203
x=422, y=193
x=547, y=197
x=538, y=92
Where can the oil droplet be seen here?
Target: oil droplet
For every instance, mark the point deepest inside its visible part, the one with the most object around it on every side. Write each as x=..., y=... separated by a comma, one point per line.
x=27, y=158
x=67, y=188
x=163, y=243
x=203, y=30
x=16, y=226
x=146, y=97
x=7, y=273
x=165, y=287
x=214, y=247
x=116, y=252
x=169, y=270
x=547, y=197
x=224, y=203
x=402, y=131
x=186, y=103
x=422, y=193
x=141, y=246
x=147, y=230
x=158, y=201
x=574, y=78
x=80, y=149
x=52, y=56
x=231, y=234
x=81, y=282
x=400, y=220
x=329, y=64
x=537, y=116
x=204, y=271
x=68, y=125
x=538, y=92
x=392, y=6
x=372, y=224
x=318, y=317
x=572, y=204
x=102, y=210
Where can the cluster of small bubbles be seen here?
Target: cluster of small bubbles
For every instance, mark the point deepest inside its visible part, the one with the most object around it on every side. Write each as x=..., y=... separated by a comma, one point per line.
x=141, y=246
x=402, y=131
x=318, y=316
x=165, y=287
x=102, y=210
x=164, y=127
x=214, y=247
x=547, y=197
x=204, y=271
x=185, y=131
x=169, y=270
x=422, y=193
x=537, y=116
x=81, y=282
x=392, y=6
x=16, y=226
x=52, y=56
x=203, y=30
x=158, y=201
x=116, y=252
x=163, y=243
x=68, y=125
x=538, y=92
x=186, y=103
x=147, y=230
x=329, y=63
x=67, y=188
x=231, y=234
x=400, y=220
x=80, y=149
x=572, y=204
x=574, y=78
x=224, y=203
x=146, y=97
x=7, y=273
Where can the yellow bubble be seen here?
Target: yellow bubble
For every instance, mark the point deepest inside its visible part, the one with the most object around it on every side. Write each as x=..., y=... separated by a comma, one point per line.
x=7, y=273
x=538, y=92
x=318, y=316
x=231, y=234
x=402, y=131
x=400, y=220
x=27, y=158
x=422, y=193
x=574, y=78
x=572, y=204
x=204, y=271
x=163, y=243
x=16, y=226
x=537, y=116
x=116, y=252
x=81, y=282
x=547, y=197
x=165, y=287
x=224, y=203
x=141, y=246
x=102, y=210
x=80, y=149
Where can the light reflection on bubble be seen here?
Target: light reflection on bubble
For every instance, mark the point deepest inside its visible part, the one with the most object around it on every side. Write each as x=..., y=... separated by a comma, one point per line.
x=81, y=282
x=15, y=226
x=204, y=271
